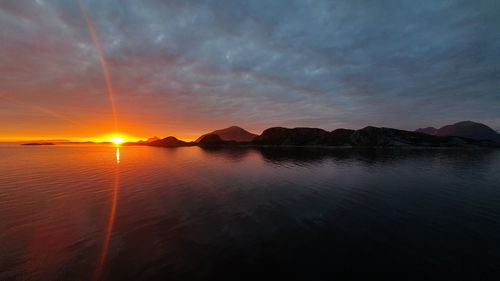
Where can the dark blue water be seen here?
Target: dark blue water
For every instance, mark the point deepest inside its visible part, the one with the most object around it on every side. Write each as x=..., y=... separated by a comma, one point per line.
x=83, y=213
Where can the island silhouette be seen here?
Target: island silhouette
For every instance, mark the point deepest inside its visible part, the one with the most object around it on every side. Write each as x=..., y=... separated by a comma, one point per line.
x=464, y=134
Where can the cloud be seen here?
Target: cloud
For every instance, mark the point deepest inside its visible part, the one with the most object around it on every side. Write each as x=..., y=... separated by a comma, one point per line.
x=185, y=66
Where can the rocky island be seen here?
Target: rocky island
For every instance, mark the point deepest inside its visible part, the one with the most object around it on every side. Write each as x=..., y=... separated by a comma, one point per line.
x=463, y=134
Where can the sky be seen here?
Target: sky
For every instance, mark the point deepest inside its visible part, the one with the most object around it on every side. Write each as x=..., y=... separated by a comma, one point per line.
x=185, y=67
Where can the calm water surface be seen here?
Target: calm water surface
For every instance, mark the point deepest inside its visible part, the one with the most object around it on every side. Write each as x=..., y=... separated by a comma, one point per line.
x=80, y=213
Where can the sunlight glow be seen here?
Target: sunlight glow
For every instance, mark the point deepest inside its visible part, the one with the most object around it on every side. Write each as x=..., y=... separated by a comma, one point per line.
x=117, y=140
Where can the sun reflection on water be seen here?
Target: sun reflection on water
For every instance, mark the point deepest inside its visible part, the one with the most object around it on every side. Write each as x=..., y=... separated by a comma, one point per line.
x=117, y=155
x=111, y=220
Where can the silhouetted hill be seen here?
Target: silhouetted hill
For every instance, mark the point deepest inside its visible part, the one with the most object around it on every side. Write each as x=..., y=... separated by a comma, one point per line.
x=295, y=136
x=39, y=143
x=373, y=136
x=363, y=138
x=142, y=142
x=427, y=130
x=213, y=140
x=340, y=137
x=366, y=137
x=469, y=129
x=168, y=142
x=233, y=133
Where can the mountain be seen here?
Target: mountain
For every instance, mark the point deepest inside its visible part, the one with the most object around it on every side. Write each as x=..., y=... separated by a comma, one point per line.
x=167, y=142
x=295, y=136
x=469, y=129
x=462, y=134
x=212, y=140
x=366, y=137
x=142, y=142
x=233, y=133
x=427, y=130
x=382, y=137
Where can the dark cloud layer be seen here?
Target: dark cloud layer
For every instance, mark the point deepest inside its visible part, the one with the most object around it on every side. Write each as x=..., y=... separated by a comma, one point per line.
x=188, y=66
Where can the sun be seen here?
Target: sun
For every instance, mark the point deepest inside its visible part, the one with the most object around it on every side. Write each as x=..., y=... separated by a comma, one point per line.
x=117, y=140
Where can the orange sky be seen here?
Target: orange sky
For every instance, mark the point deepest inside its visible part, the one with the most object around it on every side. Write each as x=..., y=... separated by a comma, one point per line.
x=36, y=122
x=183, y=68
x=43, y=125
x=39, y=122
x=43, y=119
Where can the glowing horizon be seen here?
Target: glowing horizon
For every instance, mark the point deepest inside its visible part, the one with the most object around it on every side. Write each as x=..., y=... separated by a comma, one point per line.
x=117, y=140
x=84, y=69
x=101, y=138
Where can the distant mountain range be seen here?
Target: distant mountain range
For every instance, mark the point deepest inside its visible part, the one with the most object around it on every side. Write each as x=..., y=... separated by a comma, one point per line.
x=464, y=129
x=462, y=134
x=366, y=137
